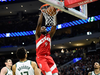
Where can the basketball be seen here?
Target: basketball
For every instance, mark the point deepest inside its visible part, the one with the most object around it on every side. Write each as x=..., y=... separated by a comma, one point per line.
x=51, y=11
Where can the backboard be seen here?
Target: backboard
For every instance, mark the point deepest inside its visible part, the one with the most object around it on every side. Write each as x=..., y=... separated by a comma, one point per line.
x=60, y=5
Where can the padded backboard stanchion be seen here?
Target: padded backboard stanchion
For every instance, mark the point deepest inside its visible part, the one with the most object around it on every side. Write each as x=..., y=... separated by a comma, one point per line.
x=75, y=3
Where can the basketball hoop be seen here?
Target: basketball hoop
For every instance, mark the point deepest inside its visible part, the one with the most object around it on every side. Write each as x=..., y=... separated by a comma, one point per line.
x=49, y=14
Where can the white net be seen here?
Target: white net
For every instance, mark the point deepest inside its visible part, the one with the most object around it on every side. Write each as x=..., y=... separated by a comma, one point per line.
x=50, y=16
x=49, y=20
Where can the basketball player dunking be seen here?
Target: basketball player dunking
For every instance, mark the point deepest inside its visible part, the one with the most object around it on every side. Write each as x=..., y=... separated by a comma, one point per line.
x=43, y=46
x=7, y=70
x=24, y=66
x=96, y=69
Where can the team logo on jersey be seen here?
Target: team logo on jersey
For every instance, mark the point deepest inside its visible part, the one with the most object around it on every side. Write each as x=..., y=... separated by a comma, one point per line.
x=42, y=41
x=46, y=44
x=40, y=65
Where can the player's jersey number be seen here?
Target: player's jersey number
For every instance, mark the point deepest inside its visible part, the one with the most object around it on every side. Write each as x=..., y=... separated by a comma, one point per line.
x=24, y=73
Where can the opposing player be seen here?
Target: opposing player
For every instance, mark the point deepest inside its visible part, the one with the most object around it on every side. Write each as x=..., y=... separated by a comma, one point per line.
x=96, y=69
x=24, y=66
x=7, y=70
x=43, y=46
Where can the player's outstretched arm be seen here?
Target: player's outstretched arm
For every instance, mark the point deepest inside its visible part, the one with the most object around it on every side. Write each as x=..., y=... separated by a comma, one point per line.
x=14, y=69
x=37, y=71
x=53, y=29
x=3, y=71
x=39, y=26
x=89, y=73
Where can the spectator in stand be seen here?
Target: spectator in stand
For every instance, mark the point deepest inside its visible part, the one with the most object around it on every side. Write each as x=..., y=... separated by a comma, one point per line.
x=82, y=67
x=93, y=45
x=56, y=54
x=97, y=45
x=67, y=51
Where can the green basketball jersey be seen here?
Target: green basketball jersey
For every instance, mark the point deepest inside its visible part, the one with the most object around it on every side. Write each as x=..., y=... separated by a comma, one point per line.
x=24, y=68
x=94, y=73
x=9, y=72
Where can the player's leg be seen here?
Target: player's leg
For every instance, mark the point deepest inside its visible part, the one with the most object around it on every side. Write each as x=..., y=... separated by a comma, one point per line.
x=42, y=63
x=46, y=73
x=52, y=65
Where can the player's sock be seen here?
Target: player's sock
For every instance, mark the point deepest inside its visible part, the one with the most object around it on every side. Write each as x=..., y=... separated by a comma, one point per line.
x=48, y=73
x=55, y=74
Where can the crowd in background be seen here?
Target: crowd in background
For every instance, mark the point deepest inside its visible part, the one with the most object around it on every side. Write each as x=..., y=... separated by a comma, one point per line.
x=82, y=67
x=64, y=56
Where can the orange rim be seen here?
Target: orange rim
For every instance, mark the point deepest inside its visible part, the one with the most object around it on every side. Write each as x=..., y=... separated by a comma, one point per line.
x=44, y=6
x=48, y=5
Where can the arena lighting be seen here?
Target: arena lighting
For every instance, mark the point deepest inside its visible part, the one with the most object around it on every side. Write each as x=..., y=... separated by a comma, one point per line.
x=62, y=51
x=6, y=0
x=70, y=42
x=10, y=12
x=22, y=6
x=27, y=51
x=6, y=7
x=76, y=59
x=93, y=41
x=60, y=26
x=25, y=10
x=89, y=33
x=87, y=39
x=22, y=43
x=12, y=53
x=53, y=45
x=7, y=34
x=79, y=44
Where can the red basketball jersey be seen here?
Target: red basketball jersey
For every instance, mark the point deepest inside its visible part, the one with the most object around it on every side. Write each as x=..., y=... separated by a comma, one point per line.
x=43, y=45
